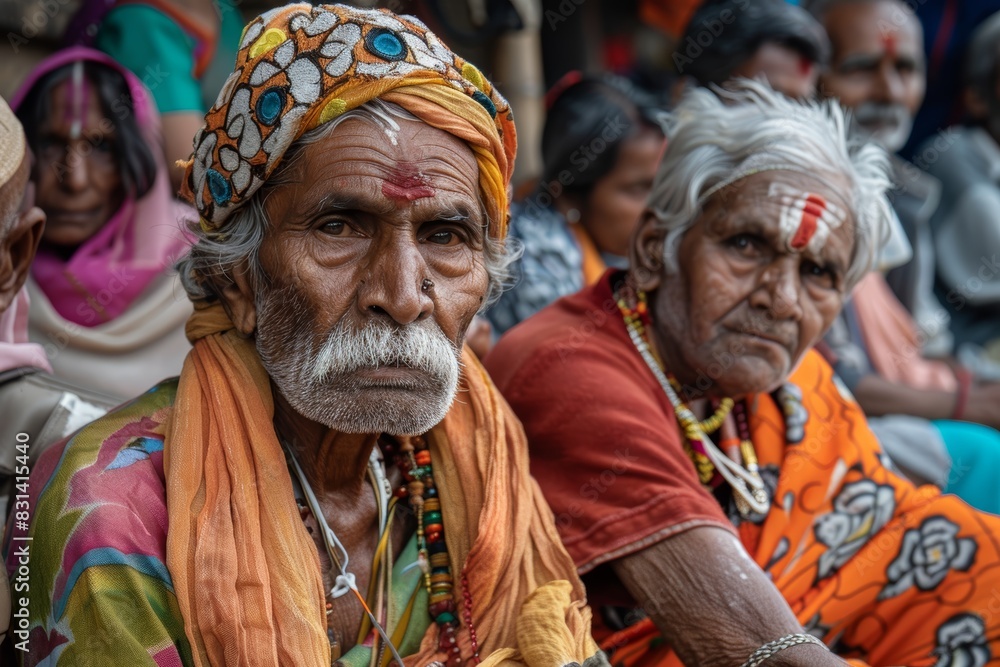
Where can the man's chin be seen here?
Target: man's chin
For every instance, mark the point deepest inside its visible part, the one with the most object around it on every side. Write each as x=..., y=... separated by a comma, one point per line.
x=376, y=408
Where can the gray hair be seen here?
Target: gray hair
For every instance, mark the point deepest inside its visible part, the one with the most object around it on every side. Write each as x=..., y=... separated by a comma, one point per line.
x=716, y=138
x=216, y=254
x=981, y=58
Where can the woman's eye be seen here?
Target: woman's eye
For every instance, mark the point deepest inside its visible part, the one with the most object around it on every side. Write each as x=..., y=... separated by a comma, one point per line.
x=743, y=242
x=819, y=273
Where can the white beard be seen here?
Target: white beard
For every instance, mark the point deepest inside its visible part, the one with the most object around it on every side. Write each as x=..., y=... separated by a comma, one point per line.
x=893, y=130
x=325, y=384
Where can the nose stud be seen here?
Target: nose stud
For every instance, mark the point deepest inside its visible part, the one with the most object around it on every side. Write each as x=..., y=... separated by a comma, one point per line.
x=427, y=285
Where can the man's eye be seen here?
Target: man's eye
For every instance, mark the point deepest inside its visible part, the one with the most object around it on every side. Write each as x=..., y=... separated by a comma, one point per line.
x=443, y=238
x=334, y=228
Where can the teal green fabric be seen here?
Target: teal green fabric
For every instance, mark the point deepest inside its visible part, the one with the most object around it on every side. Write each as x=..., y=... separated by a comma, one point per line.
x=975, y=463
x=162, y=54
x=407, y=579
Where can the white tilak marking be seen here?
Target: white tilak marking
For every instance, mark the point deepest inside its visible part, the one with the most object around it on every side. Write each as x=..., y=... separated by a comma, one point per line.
x=793, y=203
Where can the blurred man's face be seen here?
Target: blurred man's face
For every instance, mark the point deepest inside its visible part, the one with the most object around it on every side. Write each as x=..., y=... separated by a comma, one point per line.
x=786, y=70
x=877, y=68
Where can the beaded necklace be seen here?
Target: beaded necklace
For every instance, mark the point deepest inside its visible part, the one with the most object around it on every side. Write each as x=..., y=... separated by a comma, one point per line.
x=413, y=458
x=712, y=464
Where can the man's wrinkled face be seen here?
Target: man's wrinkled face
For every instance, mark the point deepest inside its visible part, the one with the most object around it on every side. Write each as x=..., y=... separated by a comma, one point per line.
x=877, y=68
x=761, y=276
x=375, y=269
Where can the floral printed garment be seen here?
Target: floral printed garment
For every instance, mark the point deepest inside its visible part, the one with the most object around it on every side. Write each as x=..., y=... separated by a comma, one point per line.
x=884, y=572
x=98, y=532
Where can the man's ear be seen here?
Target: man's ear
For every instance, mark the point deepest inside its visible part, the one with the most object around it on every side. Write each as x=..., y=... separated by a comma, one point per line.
x=239, y=300
x=646, y=253
x=16, y=252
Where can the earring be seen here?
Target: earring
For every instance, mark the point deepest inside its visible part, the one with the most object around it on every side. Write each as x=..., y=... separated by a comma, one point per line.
x=573, y=216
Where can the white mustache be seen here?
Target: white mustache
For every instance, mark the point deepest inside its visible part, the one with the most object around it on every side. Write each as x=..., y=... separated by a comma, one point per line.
x=872, y=112
x=421, y=346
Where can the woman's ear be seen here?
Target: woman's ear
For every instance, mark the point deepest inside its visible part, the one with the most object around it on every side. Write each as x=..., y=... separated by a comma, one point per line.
x=646, y=253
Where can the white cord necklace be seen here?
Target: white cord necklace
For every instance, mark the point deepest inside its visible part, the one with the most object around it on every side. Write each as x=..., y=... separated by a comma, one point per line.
x=345, y=581
x=747, y=485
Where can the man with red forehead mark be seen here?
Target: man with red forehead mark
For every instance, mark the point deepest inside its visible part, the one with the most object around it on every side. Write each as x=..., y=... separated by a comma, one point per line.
x=768, y=39
x=936, y=420
x=309, y=490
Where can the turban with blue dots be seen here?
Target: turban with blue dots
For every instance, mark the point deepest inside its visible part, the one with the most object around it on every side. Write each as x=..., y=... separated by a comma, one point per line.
x=299, y=66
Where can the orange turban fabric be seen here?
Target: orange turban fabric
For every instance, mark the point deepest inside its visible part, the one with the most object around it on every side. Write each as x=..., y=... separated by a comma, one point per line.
x=300, y=66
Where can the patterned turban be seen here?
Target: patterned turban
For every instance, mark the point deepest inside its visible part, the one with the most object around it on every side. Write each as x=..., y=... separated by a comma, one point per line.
x=300, y=66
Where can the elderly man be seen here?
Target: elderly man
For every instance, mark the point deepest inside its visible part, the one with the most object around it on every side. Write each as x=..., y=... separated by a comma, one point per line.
x=310, y=489
x=877, y=71
x=718, y=489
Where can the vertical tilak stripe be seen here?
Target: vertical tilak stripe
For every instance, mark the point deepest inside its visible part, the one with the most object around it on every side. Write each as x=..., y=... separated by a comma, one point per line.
x=76, y=99
x=813, y=208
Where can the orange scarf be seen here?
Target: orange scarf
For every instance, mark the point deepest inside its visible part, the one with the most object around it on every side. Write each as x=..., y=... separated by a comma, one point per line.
x=593, y=264
x=246, y=573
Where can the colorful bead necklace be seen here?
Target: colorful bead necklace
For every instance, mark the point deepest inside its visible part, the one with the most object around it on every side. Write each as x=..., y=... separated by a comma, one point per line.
x=712, y=464
x=413, y=458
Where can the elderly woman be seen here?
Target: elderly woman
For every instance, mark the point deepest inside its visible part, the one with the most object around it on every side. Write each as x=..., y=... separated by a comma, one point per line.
x=105, y=303
x=717, y=487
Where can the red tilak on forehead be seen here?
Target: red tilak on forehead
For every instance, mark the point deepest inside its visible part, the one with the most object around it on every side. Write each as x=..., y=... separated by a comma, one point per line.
x=812, y=210
x=406, y=183
x=889, y=42
x=805, y=66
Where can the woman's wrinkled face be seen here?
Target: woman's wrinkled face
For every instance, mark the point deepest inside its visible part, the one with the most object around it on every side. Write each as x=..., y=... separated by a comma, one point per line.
x=761, y=276
x=613, y=208
x=78, y=175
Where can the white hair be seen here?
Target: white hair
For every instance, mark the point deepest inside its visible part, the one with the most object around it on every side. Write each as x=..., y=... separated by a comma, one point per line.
x=716, y=138
x=216, y=254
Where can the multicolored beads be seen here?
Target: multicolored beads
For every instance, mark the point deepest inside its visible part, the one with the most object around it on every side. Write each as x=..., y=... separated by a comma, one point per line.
x=414, y=461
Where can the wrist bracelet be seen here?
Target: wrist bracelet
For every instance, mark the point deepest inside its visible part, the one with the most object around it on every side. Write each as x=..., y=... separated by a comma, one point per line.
x=770, y=648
